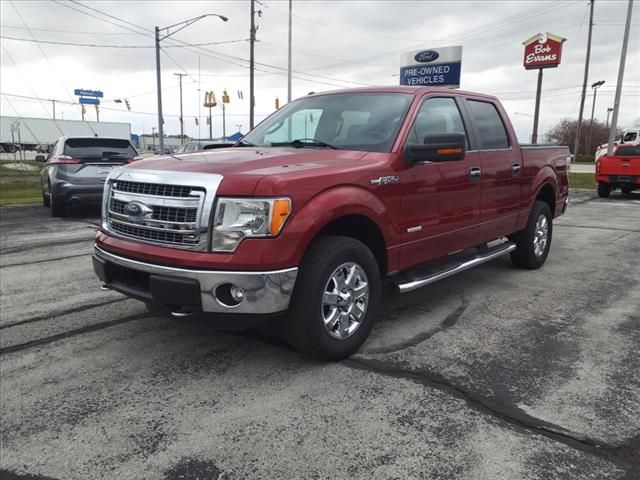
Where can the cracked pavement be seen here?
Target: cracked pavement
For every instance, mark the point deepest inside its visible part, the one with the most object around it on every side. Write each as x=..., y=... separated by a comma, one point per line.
x=496, y=373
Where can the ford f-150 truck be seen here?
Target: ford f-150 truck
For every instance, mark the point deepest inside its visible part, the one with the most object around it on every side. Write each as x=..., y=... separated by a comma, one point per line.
x=331, y=194
x=620, y=170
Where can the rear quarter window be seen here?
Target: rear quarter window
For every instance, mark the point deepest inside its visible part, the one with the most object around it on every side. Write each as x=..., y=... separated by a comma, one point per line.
x=628, y=151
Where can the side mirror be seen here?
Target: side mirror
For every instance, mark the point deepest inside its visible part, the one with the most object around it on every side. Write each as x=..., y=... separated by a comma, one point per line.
x=443, y=147
x=40, y=158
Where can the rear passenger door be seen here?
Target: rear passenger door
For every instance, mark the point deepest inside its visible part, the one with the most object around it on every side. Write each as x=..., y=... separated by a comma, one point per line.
x=501, y=168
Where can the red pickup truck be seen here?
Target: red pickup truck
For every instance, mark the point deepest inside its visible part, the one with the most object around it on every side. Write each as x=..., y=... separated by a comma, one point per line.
x=620, y=170
x=325, y=198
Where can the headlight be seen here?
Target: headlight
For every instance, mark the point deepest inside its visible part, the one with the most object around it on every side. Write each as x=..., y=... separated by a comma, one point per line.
x=239, y=218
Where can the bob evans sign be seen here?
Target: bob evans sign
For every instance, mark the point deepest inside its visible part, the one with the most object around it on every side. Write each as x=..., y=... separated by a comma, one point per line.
x=431, y=66
x=543, y=52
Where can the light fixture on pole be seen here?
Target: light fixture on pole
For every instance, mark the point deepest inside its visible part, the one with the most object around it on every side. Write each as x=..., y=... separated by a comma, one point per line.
x=609, y=110
x=595, y=87
x=181, y=25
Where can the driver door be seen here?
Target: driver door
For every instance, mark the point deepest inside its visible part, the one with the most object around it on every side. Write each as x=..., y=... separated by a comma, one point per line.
x=441, y=204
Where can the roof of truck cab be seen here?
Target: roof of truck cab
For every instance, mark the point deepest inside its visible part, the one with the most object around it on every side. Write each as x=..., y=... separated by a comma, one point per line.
x=404, y=89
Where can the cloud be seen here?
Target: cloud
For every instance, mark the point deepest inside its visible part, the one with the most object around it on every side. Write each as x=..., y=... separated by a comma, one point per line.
x=345, y=43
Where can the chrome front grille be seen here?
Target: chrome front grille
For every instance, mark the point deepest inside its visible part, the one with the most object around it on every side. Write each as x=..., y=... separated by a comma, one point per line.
x=160, y=212
x=155, y=189
x=166, y=214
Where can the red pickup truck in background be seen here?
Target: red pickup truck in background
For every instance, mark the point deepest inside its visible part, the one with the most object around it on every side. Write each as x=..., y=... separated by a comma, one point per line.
x=620, y=170
x=321, y=201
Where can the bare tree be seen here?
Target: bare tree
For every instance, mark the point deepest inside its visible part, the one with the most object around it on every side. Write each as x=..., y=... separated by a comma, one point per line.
x=564, y=133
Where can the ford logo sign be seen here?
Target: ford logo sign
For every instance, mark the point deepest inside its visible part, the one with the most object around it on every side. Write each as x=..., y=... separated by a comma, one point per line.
x=137, y=210
x=426, y=56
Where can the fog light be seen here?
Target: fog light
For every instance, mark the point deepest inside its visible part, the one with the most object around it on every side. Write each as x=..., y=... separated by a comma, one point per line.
x=237, y=293
x=229, y=295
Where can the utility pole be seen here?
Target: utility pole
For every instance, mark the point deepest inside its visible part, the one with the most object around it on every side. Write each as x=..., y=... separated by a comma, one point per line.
x=289, y=67
x=252, y=40
x=180, y=75
x=576, y=145
x=616, y=104
x=53, y=102
x=609, y=110
x=595, y=87
x=159, y=86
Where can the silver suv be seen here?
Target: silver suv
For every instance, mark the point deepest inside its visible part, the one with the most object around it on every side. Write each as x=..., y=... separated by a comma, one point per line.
x=76, y=170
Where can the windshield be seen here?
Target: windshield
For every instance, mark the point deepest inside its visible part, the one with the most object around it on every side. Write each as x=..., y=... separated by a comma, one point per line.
x=349, y=121
x=99, y=147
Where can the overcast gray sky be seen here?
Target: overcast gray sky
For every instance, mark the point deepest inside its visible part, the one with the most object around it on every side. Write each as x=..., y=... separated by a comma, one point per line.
x=336, y=44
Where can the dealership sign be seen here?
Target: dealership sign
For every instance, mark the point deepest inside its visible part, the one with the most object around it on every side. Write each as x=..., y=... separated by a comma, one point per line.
x=542, y=51
x=438, y=67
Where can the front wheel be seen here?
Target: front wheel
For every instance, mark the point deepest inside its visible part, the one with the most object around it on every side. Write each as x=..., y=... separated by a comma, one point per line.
x=335, y=300
x=533, y=243
x=604, y=189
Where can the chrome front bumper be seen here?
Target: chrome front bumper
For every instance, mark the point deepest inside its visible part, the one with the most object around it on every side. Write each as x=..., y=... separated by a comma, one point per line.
x=264, y=292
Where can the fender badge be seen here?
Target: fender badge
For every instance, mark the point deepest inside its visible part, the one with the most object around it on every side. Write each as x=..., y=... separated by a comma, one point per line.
x=390, y=180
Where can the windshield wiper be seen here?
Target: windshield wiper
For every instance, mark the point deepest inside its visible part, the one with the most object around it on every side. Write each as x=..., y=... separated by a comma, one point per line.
x=304, y=142
x=244, y=143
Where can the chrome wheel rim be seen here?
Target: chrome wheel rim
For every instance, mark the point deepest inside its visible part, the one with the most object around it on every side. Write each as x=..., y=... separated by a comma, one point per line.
x=541, y=235
x=345, y=300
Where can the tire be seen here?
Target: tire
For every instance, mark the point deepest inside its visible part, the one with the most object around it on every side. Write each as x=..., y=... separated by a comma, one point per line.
x=58, y=208
x=45, y=199
x=334, y=326
x=533, y=243
x=604, y=189
x=627, y=190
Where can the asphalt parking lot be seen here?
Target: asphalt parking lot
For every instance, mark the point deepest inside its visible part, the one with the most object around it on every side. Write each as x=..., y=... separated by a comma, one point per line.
x=496, y=373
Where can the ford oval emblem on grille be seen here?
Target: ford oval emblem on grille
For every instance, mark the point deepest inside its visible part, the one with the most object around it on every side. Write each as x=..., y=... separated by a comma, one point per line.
x=426, y=56
x=137, y=210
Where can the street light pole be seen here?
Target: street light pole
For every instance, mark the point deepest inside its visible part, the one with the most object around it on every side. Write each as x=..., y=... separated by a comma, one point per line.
x=182, y=25
x=595, y=87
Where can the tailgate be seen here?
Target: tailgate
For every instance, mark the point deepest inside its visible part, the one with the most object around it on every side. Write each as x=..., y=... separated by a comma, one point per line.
x=622, y=165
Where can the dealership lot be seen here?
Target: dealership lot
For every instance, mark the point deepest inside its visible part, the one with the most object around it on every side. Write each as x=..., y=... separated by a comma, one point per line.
x=495, y=373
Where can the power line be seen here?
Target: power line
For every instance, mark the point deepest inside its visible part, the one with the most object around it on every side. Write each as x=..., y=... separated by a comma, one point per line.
x=75, y=32
x=93, y=45
x=206, y=52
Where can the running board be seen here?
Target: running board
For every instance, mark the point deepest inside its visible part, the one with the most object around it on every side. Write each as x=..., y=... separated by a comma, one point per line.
x=485, y=256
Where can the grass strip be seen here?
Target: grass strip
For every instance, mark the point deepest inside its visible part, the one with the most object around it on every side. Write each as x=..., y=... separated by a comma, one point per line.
x=19, y=193
x=582, y=180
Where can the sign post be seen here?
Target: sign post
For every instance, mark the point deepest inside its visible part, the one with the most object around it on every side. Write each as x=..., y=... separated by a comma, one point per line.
x=541, y=52
x=89, y=97
x=436, y=67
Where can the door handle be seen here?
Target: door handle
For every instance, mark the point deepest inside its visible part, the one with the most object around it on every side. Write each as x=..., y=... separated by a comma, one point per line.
x=515, y=169
x=474, y=174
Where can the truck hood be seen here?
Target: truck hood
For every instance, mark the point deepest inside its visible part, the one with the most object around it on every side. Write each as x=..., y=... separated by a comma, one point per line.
x=250, y=160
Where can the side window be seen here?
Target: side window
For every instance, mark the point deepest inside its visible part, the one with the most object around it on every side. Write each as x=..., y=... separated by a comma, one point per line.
x=437, y=115
x=493, y=134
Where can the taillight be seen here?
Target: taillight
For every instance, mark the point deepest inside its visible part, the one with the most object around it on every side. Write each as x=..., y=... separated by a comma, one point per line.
x=64, y=159
x=598, y=166
x=134, y=159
